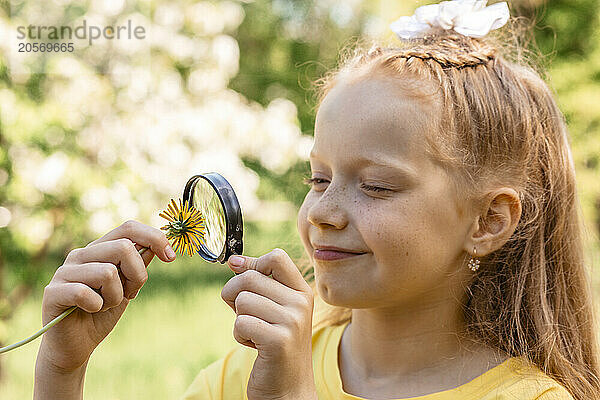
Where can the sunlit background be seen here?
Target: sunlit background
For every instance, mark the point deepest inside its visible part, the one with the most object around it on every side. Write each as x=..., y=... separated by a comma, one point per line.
x=112, y=132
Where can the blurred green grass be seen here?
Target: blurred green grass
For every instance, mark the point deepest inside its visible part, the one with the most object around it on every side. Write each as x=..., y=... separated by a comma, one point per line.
x=154, y=351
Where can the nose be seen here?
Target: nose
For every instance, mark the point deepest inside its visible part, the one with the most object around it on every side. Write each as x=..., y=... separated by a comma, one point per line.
x=327, y=211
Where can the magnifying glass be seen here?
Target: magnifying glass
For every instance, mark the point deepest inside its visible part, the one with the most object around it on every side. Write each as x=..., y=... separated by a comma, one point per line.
x=214, y=197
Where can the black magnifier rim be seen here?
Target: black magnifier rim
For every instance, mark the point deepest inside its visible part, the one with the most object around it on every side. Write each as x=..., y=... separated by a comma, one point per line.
x=233, y=215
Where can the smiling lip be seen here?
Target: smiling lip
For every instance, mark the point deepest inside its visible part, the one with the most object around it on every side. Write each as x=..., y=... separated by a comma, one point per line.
x=331, y=253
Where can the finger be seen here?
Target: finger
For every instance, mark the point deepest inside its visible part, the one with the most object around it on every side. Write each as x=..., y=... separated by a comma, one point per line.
x=248, y=303
x=276, y=262
x=144, y=235
x=254, y=332
x=74, y=294
x=120, y=252
x=96, y=275
x=254, y=281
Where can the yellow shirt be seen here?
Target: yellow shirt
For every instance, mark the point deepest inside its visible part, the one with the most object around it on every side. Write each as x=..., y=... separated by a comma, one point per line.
x=514, y=379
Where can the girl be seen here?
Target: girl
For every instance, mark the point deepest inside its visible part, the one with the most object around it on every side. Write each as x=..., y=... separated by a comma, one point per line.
x=442, y=224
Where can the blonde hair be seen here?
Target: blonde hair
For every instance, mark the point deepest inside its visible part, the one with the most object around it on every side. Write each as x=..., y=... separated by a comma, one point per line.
x=499, y=124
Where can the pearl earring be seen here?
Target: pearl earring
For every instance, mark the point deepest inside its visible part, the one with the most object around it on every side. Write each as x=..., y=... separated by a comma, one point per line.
x=474, y=262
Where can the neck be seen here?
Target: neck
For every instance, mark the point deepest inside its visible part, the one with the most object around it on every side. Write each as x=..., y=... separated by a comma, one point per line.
x=421, y=336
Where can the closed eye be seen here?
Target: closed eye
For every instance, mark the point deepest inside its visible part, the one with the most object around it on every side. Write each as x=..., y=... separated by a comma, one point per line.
x=372, y=188
x=313, y=181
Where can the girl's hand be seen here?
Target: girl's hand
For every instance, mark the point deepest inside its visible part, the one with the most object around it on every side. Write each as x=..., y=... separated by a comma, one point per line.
x=99, y=279
x=274, y=316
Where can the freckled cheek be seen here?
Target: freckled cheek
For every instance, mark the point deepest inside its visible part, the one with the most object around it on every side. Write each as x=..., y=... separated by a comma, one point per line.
x=397, y=238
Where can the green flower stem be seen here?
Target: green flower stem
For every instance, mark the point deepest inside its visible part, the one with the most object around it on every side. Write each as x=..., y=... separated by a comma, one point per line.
x=49, y=324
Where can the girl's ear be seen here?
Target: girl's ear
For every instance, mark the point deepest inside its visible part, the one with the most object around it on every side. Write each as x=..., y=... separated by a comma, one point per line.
x=497, y=222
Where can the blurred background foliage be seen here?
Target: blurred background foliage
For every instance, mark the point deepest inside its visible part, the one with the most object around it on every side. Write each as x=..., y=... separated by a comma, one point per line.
x=112, y=132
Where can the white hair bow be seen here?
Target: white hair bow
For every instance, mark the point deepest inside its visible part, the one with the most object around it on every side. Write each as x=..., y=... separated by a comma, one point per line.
x=467, y=17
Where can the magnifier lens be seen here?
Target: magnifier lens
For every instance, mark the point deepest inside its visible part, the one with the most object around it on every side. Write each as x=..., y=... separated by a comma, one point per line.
x=214, y=197
x=206, y=200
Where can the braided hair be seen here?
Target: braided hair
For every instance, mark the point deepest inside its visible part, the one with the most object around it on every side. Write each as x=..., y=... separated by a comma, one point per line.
x=446, y=51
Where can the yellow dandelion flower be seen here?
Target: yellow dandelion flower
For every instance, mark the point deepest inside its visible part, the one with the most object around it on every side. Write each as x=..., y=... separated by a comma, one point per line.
x=186, y=227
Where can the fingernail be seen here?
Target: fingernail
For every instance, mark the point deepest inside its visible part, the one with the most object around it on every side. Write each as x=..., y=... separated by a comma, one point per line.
x=133, y=295
x=169, y=252
x=237, y=262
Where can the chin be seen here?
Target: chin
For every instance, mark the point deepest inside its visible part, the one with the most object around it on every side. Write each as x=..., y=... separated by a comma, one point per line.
x=338, y=295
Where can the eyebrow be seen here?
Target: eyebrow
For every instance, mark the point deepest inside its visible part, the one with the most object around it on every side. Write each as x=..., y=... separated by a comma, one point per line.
x=382, y=162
